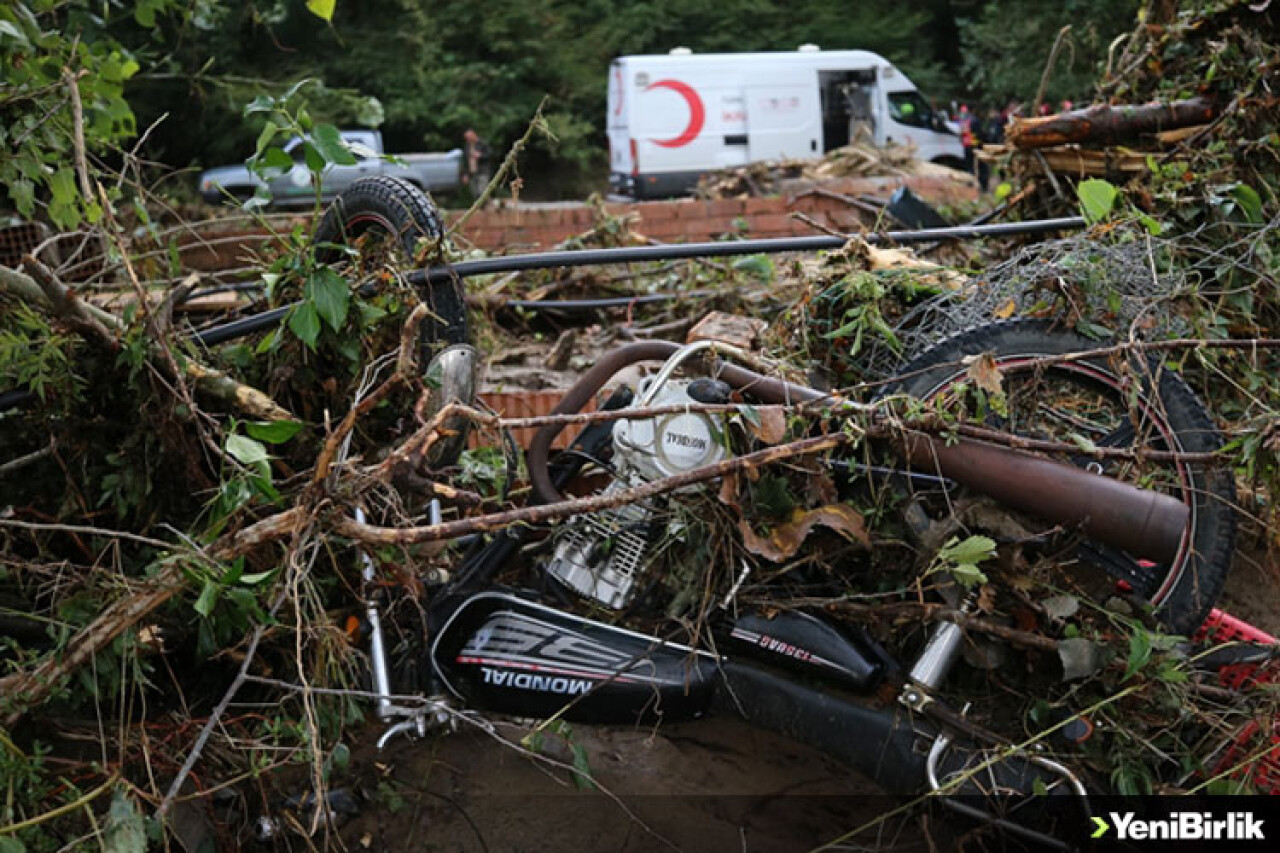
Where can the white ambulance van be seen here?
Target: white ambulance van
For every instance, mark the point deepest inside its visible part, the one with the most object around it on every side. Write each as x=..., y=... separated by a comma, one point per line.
x=674, y=117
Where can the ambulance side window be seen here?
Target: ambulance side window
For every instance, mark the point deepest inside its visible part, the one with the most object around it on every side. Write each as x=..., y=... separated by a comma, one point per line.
x=911, y=109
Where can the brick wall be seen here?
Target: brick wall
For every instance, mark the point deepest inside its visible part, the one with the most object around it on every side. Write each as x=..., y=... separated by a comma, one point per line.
x=523, y=227
x=531, y=227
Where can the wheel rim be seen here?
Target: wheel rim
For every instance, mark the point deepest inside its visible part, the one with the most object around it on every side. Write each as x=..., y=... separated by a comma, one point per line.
x=1088, y=374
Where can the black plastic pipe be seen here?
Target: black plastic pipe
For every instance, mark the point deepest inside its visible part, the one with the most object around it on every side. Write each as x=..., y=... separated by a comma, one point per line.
x=626, y=255
x=635, y=254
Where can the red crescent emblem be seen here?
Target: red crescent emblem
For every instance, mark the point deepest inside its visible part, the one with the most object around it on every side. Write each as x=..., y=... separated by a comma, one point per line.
x=697, y=113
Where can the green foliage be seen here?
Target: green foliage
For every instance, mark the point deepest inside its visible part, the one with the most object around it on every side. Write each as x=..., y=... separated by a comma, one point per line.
x=960, y=559
x=227, y=605
x=1006, y=44
x=1097, y=199
x=43, y=46
x=35, y=356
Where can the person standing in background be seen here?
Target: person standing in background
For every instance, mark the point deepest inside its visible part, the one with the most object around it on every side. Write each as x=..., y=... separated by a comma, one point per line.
x=476, y=175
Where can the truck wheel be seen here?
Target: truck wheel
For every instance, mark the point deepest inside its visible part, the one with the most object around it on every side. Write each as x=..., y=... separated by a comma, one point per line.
x=386, y=220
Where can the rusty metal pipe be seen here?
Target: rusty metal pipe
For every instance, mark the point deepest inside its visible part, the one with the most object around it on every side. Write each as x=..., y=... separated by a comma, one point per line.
x=1146, y=524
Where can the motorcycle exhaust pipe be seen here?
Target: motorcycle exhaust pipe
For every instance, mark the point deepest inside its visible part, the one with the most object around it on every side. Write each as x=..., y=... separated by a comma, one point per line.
x=1144, y=523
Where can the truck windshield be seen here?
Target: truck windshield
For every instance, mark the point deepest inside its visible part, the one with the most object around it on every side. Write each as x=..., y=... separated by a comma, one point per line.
x=911, y=109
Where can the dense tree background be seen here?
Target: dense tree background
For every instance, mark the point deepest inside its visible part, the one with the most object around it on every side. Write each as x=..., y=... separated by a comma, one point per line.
x=437, y=67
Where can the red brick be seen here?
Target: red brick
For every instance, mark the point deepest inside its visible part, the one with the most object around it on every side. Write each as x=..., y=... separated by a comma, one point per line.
x=753, y=206
x=769, y=224
x=654, y=210
x=666, y=229
x=579, y=217
x=690, y=210
x=727, y=207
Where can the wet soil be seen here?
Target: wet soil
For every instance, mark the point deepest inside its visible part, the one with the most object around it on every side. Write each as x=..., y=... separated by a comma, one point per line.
x=700, y=786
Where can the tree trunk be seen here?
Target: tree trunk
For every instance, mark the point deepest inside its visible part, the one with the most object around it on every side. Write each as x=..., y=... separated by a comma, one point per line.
x=1107, y=124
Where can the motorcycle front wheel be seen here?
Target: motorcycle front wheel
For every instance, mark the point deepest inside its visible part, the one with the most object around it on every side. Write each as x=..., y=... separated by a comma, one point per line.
x=1113, y=401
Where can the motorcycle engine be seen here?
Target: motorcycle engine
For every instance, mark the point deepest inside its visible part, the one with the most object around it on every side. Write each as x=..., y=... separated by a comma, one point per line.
x=600, y=556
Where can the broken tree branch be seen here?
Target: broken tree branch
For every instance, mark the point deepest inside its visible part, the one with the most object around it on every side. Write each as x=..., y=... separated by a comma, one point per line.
x=1106, y=124
x=535, y=514
x=29, y=689
x=38, y=285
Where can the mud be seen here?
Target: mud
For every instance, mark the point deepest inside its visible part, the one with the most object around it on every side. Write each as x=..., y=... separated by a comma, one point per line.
x=701, y=786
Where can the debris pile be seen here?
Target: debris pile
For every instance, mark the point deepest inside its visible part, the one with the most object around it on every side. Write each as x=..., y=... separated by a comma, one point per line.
x=856, y=160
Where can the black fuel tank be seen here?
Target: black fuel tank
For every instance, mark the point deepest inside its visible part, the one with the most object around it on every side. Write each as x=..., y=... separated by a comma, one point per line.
x=804, y=643
x=506, y=654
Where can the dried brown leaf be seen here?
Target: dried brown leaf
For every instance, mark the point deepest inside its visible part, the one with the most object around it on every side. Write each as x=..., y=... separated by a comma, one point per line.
x=785, y=539
x=984, y=372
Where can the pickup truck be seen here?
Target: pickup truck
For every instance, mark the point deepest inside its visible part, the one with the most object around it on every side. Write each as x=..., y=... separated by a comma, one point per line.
x=293, y=186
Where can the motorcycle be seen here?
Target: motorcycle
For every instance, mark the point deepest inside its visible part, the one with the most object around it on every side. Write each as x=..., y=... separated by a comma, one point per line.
x=574, y=622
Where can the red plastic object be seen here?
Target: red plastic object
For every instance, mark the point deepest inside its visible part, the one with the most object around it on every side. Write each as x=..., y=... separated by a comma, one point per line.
x=1221, y=628
x=1256, y=749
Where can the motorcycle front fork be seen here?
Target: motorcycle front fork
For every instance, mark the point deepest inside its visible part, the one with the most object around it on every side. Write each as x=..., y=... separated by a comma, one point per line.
x=410, y=720
x=927, y=674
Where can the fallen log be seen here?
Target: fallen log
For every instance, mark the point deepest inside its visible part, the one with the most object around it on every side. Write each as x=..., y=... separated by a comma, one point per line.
x=1106, y=124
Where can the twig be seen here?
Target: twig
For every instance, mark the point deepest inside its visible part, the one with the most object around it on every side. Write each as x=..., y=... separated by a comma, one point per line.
x=214, y=718
x=816, y=225
x=1048, y=68
x=23, y=461
x=42, y=287
x=531, y=515
x=65, y=808
x=28, y=689
x=405, y=362
x=77, y=115
x=508, y=164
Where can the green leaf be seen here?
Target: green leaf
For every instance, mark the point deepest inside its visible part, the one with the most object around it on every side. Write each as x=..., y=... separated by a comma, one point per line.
x=9, y=31
x=256, y=578
x=1082, y=442
x=961, y=559
x=274, y=161
x=23, y=193
x=582, y=767
x=314, y=159
x=305, y=323
x=126, y=829
x=331, y=146
x=62, y=184
x=273, y=432
x=1247, y=197
x=1139, y=652
x=322, y=8
x=261, y=104
x=340, y=757
x=974, y=549
x=331, y=296
x=246, y=450
x=1097, y=199
x=208, y=598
